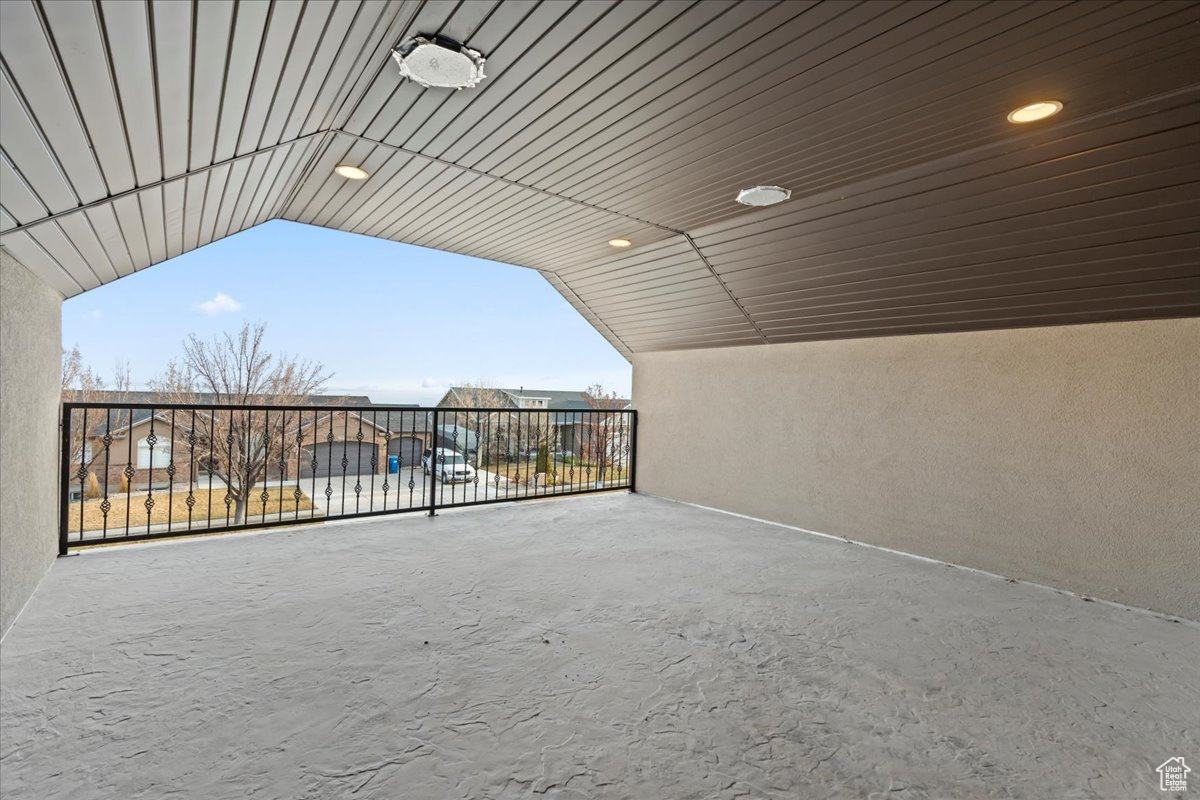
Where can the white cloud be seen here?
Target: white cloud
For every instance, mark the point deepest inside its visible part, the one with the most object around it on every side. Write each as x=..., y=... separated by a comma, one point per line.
x=220, y=304
x=435, y=383
x=95, y=314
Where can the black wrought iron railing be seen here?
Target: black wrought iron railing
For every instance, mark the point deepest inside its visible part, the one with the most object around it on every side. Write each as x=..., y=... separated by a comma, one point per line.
x=133, y=472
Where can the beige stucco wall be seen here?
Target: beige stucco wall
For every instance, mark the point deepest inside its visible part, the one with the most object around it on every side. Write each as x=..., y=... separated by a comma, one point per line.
x=1068, y=456
x=30, y=387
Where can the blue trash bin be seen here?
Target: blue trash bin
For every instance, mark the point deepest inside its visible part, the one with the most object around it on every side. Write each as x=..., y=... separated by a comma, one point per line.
x=393, y=463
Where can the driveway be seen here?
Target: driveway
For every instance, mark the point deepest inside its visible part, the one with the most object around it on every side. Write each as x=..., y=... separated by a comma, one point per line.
x=410, y=488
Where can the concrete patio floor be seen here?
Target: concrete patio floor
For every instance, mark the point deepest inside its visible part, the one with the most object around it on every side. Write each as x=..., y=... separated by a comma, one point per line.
x=615, y=646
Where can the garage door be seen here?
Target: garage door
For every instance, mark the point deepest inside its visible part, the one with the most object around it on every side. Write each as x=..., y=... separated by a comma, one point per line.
x=408, y=448
x=329, y=459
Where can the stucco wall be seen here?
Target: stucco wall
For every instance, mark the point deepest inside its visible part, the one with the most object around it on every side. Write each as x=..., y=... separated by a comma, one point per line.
x=30, y=387
x=1068, y=456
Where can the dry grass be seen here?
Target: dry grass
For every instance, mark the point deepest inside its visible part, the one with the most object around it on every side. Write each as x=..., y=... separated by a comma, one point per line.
x=177, y=511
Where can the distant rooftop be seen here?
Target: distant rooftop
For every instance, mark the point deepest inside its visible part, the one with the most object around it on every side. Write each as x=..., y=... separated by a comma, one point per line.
x=556, y=399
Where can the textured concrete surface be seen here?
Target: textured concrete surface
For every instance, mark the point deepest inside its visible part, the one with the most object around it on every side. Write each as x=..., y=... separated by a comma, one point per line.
x=30, y=390
x=1068, y=456
x=610, y=647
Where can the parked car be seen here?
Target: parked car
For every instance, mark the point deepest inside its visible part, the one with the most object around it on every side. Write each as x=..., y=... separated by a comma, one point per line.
x=447, y=464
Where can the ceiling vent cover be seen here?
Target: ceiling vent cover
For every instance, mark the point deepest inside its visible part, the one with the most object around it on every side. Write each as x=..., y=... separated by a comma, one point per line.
x=763, y=195
x=439, y=62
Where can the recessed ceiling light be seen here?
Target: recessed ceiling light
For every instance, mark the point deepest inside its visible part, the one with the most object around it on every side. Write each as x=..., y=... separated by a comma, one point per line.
x=620, y=243
x=763, y=195
x=439, y=62
x=351, y=172
x=1035, y=111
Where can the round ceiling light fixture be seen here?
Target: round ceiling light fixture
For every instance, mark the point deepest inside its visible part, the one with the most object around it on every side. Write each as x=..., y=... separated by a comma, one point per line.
x=620, y=243
x=1035, y=111
x=763, y=195
x=352, y=172
x=439, y=62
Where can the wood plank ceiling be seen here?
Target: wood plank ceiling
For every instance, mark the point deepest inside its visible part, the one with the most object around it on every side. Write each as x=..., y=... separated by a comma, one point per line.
x=136, y=131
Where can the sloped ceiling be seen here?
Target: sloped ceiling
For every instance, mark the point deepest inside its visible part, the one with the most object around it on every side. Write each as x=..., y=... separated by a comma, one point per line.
x=133, y=132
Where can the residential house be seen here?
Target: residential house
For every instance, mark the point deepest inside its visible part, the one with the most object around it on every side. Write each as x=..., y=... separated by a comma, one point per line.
x=574, y=424
x=151, y=447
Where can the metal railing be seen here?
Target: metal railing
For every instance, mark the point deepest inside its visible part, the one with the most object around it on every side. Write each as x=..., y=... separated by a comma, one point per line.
x=133, y=471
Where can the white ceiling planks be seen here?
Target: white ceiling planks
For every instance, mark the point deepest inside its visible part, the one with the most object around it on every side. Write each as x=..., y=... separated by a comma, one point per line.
x=137, y=130
x=82, y=250
x=45, y=113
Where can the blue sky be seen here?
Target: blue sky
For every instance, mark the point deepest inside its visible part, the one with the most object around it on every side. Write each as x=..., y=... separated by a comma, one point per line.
x=393, y=321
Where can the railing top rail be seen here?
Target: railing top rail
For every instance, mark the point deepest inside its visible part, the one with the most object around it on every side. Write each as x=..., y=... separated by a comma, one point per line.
x=71, y=405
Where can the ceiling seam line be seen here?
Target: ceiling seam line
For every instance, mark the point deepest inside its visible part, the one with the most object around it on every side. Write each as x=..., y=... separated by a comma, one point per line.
x=66, y=272
x=40, y=132
x=23, y=182
x=237, y=200
x=230, y=38
x=266, y=208
x=154, y=184
x=724, y=286
x=331, y=216
x=287, y=56
x=588, y=308
x=509, y=181
x=152, y=59
x=347, y=31
x=287, y=120
x=72, y=97
x=352, y=81
x=111, y=71
x=306, y=174
x=303, y=174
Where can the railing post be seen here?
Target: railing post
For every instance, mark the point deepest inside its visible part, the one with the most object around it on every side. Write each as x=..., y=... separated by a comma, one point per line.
x=433, y=448
x=633, y=451
x=65, y=479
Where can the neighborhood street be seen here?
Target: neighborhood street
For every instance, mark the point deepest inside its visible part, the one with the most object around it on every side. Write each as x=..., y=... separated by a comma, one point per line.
x=342, y=497
x=410, y=488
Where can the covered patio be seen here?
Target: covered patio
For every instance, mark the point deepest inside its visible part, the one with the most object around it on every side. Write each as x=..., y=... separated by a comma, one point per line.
x=611, y=646
x=920, y=275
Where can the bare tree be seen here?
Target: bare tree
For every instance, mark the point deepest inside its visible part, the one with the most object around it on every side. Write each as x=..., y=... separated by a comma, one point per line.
x=490, y=427
x=78, y=376
x=82, y=384
x=504, y=435
x=238, y=370
x=480, y=394
x=601, y=399
x=603, y=435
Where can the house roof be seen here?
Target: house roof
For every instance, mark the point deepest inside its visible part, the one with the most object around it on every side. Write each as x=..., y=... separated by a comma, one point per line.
x=557, y=399
x=133, y=133
x=141, y=414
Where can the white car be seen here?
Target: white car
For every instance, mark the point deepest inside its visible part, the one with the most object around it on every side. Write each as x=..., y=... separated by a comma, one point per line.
x=448, y=465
